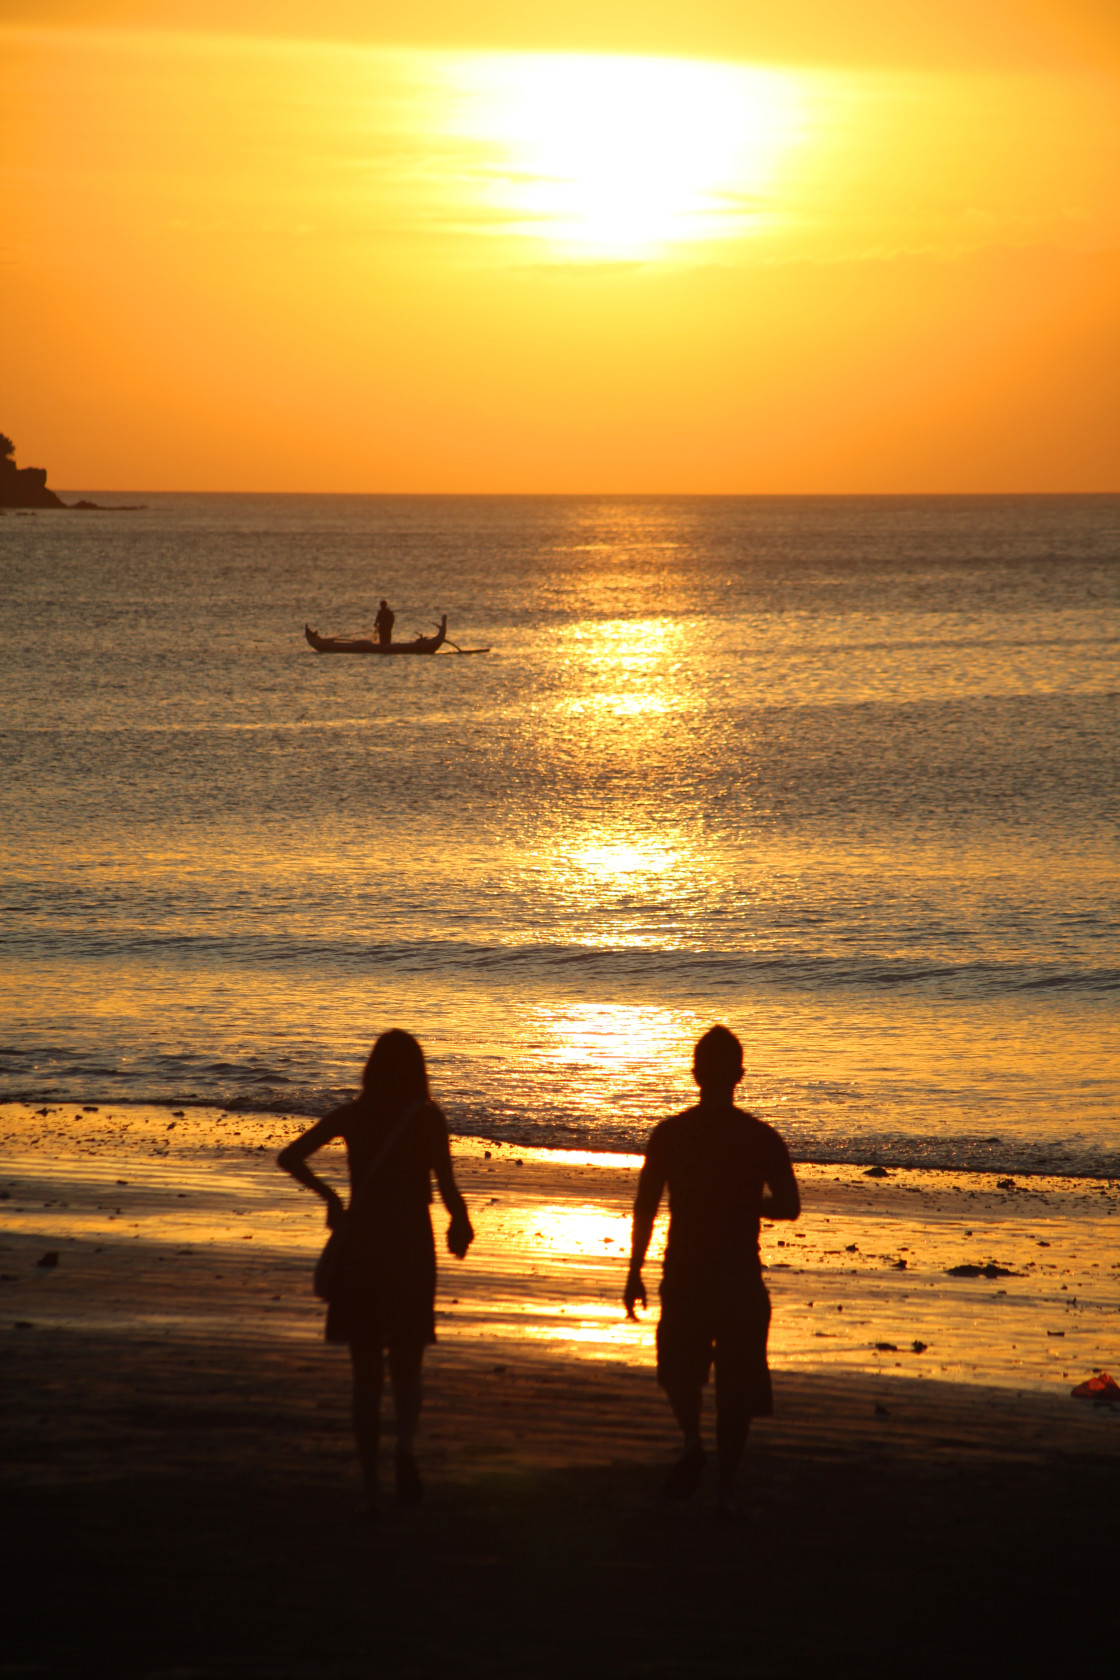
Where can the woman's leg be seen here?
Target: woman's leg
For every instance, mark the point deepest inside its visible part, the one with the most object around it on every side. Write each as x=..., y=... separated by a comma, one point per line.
x=404, y=1374
x=368, y=1366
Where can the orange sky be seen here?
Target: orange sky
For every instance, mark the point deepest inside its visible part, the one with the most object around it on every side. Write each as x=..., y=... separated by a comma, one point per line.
x=850, y=247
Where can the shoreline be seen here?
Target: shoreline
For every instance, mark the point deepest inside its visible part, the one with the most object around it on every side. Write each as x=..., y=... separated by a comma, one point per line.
x=862, y=1283
x=876, y=1156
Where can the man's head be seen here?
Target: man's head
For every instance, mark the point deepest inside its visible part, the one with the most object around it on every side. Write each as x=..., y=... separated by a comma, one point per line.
x=717, y=1061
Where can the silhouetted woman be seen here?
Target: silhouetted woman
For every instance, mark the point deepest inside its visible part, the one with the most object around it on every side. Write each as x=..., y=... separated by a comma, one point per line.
x=382, y=1297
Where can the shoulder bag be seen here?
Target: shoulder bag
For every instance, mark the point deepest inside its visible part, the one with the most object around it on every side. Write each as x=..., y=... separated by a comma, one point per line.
x=329, y=1262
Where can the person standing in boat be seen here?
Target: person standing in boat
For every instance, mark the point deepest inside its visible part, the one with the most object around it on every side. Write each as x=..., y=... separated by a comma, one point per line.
x=384, y=622
x=381, y=1295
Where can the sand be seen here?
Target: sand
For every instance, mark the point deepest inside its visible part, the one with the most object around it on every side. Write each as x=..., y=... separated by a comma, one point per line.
x=179, y=1477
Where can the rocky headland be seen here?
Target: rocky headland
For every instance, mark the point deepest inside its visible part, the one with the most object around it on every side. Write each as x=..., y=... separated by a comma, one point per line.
x=26, y=487
x=23, y=487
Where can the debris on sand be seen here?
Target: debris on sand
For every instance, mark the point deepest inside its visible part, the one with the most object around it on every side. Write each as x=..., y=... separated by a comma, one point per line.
x=885, y=1347
x=1100, y=1388
x=50, y=1258
x=991, y=1270
x=919, y=1347
x=876, y=1172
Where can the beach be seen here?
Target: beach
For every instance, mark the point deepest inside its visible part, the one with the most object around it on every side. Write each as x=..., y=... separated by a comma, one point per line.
x=716, y=406
x=180, y=1475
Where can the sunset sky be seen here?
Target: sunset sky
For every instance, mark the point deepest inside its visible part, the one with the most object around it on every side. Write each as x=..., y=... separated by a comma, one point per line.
x=856, y=245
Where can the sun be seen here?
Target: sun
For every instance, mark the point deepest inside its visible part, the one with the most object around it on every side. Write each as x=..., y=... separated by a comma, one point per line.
x=622, y=158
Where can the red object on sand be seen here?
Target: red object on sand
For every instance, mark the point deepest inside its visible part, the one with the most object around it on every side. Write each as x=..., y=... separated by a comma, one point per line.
x=1102, y=1388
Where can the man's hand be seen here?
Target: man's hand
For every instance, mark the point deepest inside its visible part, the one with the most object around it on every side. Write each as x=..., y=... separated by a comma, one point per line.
x=635, y=1291
x=336, y=1212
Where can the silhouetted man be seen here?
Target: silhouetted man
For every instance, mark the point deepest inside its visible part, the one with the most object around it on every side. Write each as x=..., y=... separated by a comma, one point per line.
x=725, y=1170
x=384, y=622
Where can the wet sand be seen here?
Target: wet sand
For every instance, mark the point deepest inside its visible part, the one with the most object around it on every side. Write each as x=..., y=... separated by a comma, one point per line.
x=179, y=1477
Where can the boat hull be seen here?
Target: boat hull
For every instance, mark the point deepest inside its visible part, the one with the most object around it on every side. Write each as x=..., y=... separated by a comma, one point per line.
x=380, y=650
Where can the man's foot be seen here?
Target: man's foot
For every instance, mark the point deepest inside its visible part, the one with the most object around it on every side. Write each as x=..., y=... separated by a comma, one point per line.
x=728, y=1509
x=410, y=1489
x=684, y=1478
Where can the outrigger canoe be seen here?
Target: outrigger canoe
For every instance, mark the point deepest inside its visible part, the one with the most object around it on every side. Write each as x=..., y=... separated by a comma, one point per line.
x=340, y=644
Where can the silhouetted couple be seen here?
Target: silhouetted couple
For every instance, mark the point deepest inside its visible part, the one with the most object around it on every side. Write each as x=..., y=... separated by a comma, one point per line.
x=724, y=1170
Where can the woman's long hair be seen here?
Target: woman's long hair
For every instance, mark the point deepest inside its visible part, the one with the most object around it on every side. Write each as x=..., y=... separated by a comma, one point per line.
x=395, y=1074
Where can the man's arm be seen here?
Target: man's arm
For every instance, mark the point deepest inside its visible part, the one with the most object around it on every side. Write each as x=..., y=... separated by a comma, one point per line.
x=651, y=1183
x=781, y=1199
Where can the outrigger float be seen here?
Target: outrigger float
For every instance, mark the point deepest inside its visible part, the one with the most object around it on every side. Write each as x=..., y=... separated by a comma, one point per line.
x=363, y=644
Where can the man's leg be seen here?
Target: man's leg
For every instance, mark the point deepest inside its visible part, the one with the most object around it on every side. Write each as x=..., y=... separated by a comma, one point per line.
x=685, y=1399
x=733, y=1422
x=742, y=1383
x=684, y=1478
x=683, y=1356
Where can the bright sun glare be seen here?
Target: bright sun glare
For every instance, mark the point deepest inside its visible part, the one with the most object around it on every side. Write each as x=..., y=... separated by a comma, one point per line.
x=621, y=158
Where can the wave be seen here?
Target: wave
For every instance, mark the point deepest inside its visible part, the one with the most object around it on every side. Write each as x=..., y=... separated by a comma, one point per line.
x=301, y=1088
x=669, y=969
x=271, y=1095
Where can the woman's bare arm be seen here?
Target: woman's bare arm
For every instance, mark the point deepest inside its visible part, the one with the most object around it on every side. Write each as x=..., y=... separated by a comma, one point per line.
x=293, y=1159
x=460, y=1232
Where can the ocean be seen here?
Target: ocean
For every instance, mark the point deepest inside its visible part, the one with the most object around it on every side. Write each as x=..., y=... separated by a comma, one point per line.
x=839, y=772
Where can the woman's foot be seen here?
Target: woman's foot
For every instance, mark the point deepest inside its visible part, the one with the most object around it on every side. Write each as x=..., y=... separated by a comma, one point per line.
x=369, y=1506
x=410, y=1489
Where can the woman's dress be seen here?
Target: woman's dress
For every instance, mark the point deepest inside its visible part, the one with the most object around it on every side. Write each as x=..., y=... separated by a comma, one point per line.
x=384, y=1290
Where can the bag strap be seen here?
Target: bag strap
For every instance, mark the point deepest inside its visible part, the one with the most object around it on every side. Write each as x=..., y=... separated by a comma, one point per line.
x=386, y=1149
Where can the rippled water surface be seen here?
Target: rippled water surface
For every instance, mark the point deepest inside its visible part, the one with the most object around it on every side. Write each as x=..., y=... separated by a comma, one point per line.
x=841, y=773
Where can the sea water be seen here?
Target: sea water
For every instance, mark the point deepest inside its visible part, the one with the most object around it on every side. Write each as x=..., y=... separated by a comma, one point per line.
x=839, y=772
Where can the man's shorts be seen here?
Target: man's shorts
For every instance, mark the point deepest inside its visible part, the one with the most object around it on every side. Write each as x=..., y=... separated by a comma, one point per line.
x=730, y=1327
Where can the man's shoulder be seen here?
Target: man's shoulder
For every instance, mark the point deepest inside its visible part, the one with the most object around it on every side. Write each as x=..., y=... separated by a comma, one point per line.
x=765, y=1137
x=679, y=1129
x=670, y=1130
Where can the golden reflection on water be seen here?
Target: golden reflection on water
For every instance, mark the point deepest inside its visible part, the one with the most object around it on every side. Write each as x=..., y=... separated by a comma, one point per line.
x=621, y=1036
x=616, y=861
x=617, y=705
x=609, y=880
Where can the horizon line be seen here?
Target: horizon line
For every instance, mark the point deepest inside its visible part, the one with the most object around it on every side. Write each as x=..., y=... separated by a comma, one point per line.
x=526, y=495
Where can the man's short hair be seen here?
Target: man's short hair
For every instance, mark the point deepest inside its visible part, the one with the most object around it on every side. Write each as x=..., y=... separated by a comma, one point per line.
x=718, y=1057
